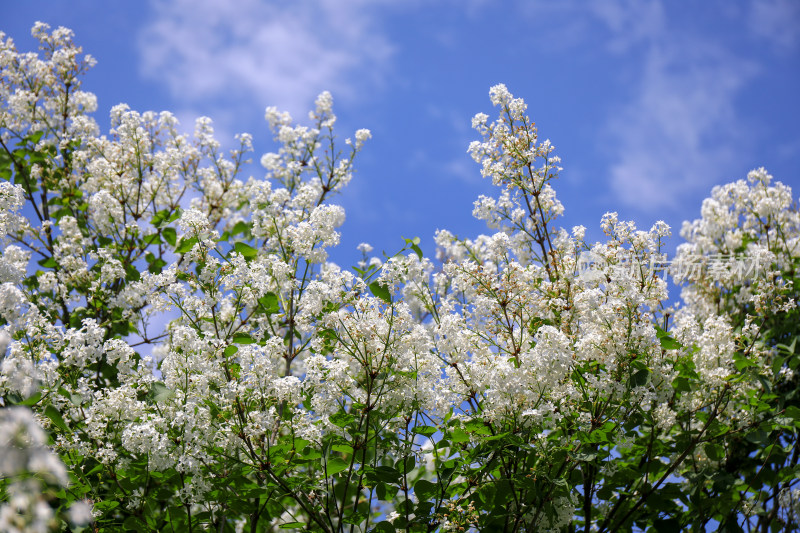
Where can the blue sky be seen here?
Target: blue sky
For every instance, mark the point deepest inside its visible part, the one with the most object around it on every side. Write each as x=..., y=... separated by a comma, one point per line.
x=649, y=103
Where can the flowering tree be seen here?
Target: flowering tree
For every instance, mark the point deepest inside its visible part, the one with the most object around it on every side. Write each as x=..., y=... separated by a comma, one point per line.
x=197, y=364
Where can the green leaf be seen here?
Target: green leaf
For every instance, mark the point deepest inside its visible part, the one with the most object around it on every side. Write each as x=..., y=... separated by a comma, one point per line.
x=159, y=392
x=384, y=527
x=668, y=343
x=341, y=419
x=585, y=456
x=354, y=518
x=156, y=264
x=153, y=238
x=793, y=412
x=240, y=227
x=413, y=243
x=424, y=430
x=76, y=399
x=458, y=435
x=681, y=384
x=777, y=365
x=170, y=235
x=296, y=442
x=380, y=290
x=31, y=400
x=668, y=525
x=270, y=303
x=105, y=505
x=477, y=426
x=424, y=489
x=55, y=417
x=159, y=217
x=36, y=157
x=758, y=437
x=247, y=251
x=243, y=338
x=385, y=474
x=186, y=245
x=48, y=262
x=380, y=491
x=165, y=216
x=133, y=523
x=230, y=350
x=131, y=273
x=406, y=465
x=714, y=451
x=335, y=465
x=639, y=379
x=310, y=453
x=342, y=448
x=742, y=362
x=292, y=525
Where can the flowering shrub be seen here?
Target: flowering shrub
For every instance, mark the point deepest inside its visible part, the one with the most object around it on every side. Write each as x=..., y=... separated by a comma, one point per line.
x=197, y=364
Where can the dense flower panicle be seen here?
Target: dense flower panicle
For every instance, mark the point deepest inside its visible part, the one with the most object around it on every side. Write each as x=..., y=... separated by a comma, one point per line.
x=11, y=200
x=738, y=273
x=42, y=93
x=737, y=253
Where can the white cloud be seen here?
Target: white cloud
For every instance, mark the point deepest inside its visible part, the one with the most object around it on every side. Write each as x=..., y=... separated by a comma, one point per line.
x=777, y=21
x=679, y=134
x=629, y=22
x=269, y=53
x=569, y=23
x=674, y=133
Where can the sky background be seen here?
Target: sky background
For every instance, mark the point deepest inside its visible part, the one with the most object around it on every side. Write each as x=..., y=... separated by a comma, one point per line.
x=649, y=103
